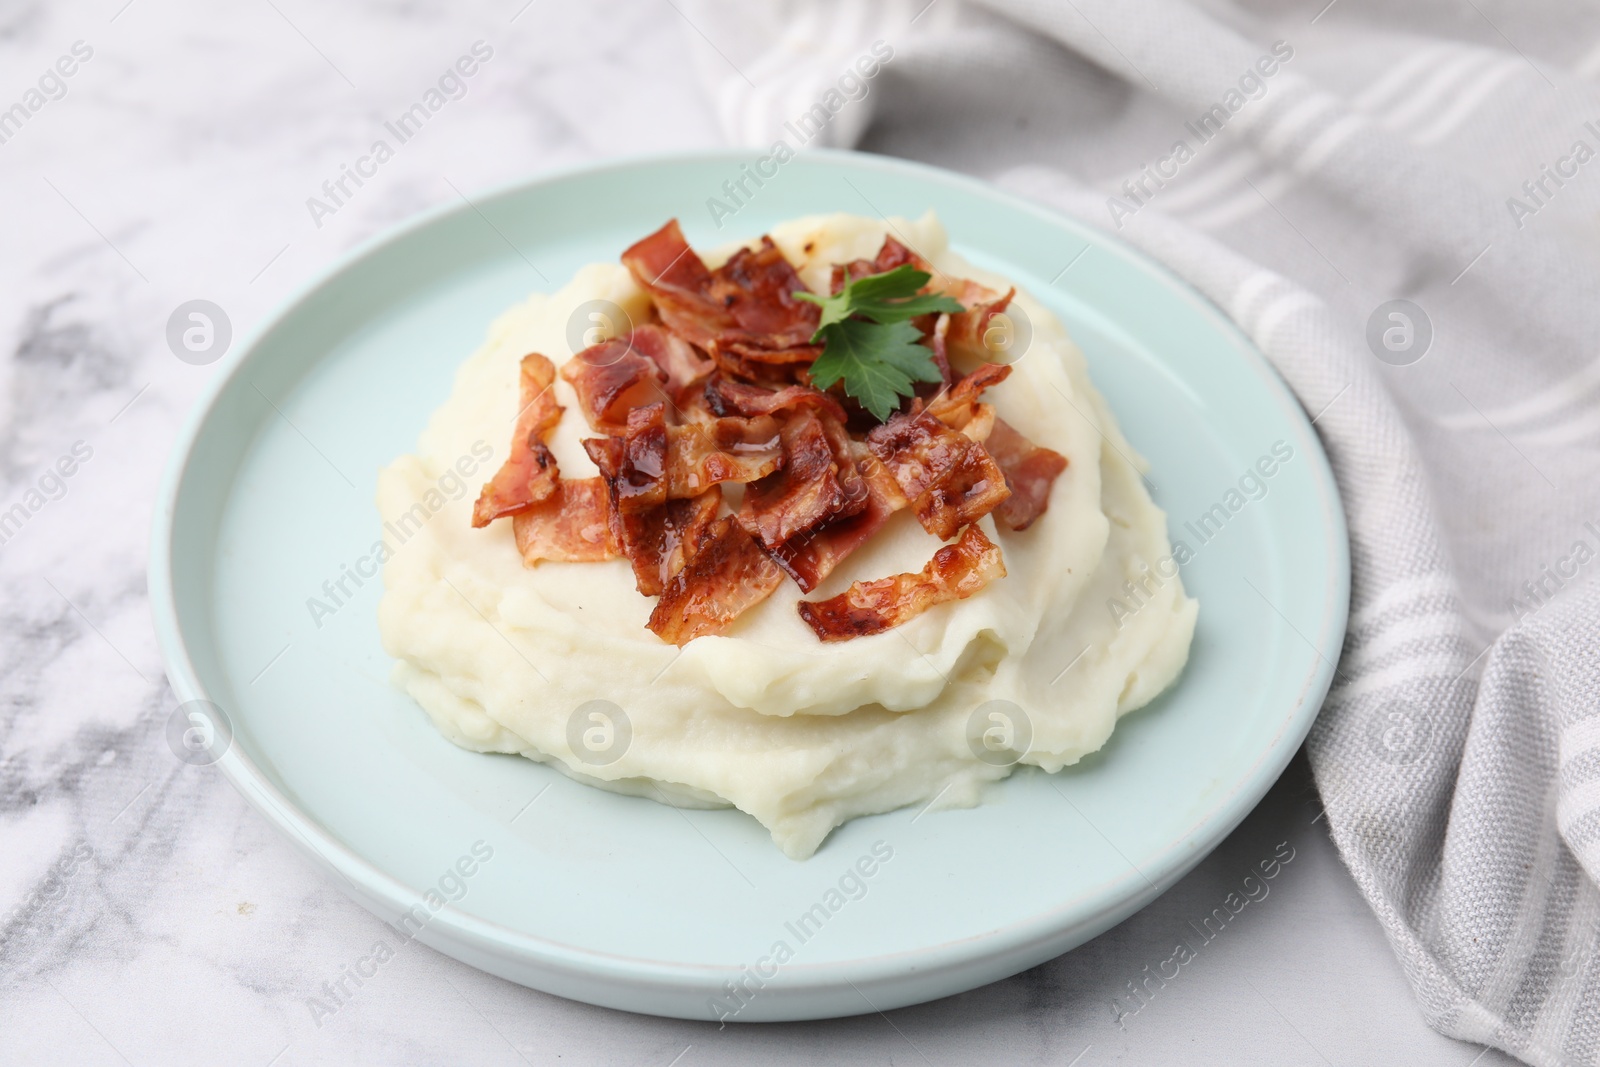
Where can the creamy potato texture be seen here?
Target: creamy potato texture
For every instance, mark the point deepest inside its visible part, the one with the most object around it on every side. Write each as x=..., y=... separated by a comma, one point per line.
x=800, y=734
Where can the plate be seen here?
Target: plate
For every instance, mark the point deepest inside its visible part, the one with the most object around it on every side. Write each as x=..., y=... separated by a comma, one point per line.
x=511, y=867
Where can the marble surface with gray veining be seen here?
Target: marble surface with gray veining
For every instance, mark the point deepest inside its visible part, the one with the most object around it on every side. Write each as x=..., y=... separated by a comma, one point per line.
x=147, y=915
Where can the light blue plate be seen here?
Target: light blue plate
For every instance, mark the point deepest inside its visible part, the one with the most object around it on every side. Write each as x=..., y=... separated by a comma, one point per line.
x=627, y=903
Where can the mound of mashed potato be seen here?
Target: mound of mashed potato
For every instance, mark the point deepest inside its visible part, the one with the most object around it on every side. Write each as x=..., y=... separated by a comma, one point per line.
x=555, y=662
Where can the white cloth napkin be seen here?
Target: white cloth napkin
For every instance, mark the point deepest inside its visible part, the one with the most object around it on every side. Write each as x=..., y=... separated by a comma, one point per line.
x=1333, y=161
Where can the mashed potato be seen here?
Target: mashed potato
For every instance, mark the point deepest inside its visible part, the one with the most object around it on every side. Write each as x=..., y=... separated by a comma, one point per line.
x=555, y=662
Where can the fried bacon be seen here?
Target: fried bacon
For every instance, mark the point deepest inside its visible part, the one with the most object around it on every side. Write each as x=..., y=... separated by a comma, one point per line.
x=703, y=454
x=747, y=305
x=941, y=356
x=678, y=282
x=529, y=473
x=950, y=480
x=725, y=396
x=662, y=539
x=955, y=573
x=611, y=379
x=633, y=469
x=718, y=392
x=572, y=524
x=662, y=483
x=653, y=531
x=757, y=287
x=1031, y=471
x=891, y=254
x=768, y=375
x=678, y=365
x=818, y=482
x=968, y=335
x=641, y=476
x=958, y=407
x=811, y=557
x=726, y=576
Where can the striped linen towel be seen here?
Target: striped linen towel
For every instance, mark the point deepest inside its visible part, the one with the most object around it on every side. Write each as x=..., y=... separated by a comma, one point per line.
x=1405, y=222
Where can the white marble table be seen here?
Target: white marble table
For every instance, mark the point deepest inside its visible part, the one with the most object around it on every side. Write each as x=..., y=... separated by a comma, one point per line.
x=149, y=916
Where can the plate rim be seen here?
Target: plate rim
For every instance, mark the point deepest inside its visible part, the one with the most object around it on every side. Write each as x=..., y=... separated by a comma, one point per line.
x=370, y=886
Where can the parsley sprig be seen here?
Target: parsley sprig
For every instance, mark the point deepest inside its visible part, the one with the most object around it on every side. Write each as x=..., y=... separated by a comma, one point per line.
x=871, y=342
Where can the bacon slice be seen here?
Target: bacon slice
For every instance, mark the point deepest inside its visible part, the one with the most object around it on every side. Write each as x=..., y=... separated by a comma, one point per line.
x=935, y=339
x=967, y=336
x=572, y=525
x=677, y=280
x=663, y=538
x=677, y=362
x=663, y=497
x=757, y=287
x=813, y=555
x=954, y=573
x=726, y=396
x=769, y=375
x=641, y=478
x=529, y=473
x=1030, y=471
x=747, y=305
x=958, y=406
x=611, y=379
x=703, y=454
x=818, y=482
x=726, y=576
x=634, y=470
x=891, y=254
x=950, y=480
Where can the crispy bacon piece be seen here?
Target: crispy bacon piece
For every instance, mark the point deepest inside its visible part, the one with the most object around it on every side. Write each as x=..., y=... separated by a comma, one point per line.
x=1031, y=471
x=726, y=396
x=703, y=454
x=891, y=254
x=572, y=524
x=677, y=281
x=633, y=468
x=653, y=462
x=611, y=379
x=677, y=362
x=968, y=330
x=529, y=473
x=958, y=406
x=935, y=339
x=663, y=538
x=767, y=375
x=796, y=354
x=641, y=480
x=727, y=574
x=757, y=287
x=747, y=305
x=607, y=454
x=845, y=466
x=955, y=573
x=812, y=556
x=818, y=482
x=950, y=480
x=656, y=527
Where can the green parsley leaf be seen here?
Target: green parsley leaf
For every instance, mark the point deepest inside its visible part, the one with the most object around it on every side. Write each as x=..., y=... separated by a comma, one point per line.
x=870, y=298
x=877, y=362
x=870, y=341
